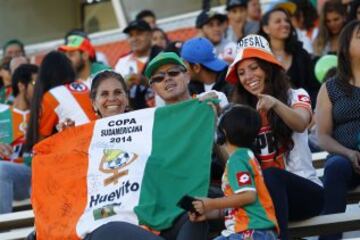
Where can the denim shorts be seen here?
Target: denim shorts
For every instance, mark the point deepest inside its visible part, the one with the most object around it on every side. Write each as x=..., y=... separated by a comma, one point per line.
x=251, y=235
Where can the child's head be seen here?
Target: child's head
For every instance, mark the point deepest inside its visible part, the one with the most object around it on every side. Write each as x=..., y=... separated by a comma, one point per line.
x=238, y=125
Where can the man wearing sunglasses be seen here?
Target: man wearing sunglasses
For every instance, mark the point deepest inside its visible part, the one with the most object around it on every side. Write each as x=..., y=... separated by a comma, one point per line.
x=168, y=77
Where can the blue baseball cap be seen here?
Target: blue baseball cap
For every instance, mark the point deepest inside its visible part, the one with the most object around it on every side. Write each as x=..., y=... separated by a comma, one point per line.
x=200, y=50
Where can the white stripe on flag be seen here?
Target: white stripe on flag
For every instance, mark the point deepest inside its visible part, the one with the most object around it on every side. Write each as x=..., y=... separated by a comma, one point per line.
x=118, y=153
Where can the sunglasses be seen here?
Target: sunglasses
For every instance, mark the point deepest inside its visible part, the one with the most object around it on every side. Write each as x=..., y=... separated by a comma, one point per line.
x=172, y=72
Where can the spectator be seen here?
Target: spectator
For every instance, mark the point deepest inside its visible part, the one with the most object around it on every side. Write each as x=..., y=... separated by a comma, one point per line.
x=13, y=48
x=132, y=65
x=338, y=123
x=332, y=20
x=305, y=21
x=82, y=56
x=56, y=97
x=15, y=177
x=100, y=56
x=159, y=38
x=147, y=16
x=210, y=25
x=239, y=27
x=277, y=29
x=253, y=10
x=108, y=88
x=282, y=143
x=247, y=204
x=206, y=70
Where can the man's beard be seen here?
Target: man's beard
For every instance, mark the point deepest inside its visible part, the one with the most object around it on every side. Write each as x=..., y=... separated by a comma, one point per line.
x=80, y=66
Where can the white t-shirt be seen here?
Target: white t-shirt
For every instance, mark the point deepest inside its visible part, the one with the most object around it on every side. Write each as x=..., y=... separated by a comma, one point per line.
x=208, y=87
x=299, y=160
x=130, y=64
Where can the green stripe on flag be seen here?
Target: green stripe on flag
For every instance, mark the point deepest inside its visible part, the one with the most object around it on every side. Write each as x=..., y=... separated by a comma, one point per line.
x=179, y=163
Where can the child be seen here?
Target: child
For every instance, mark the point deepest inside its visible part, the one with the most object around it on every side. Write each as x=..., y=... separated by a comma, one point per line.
x=249, y=211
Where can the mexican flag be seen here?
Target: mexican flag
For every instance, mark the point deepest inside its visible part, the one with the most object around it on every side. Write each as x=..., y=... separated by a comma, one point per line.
x=133, y=167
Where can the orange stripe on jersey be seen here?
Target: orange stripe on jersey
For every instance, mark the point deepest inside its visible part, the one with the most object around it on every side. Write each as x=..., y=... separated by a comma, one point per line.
x=242, y=220
x=140, y=66
x=48, y=117
x=263, y=193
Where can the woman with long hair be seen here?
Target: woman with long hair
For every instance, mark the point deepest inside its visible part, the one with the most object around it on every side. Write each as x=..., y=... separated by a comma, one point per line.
x=57, y=96
x=276, y=27
x=282, y=143
x=338, y=123
x=332, y=20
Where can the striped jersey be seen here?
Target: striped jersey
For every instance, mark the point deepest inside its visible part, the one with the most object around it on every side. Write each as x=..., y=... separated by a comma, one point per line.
x=243, y=173
x=67, y=101
x=13, y=126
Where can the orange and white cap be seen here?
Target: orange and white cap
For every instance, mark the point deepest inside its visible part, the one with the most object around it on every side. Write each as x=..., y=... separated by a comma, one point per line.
x=251, y=46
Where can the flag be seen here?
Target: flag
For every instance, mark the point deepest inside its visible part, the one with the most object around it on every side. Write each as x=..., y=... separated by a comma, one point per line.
x=133, y=167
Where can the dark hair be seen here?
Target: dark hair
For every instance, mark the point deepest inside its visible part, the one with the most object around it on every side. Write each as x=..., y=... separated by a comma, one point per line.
x=12, y=42
x=305, y=9
x=276, y=85
x=76, y=32
x=100, y=77
x=330, y=74
x=324, y=34
x=344, y=67
x=354, y=5
x=145, y=13
x=23, y=74
x=291, y=43
x=55, y=70
x=248, y=124
x=157, y=29
x=175, y=47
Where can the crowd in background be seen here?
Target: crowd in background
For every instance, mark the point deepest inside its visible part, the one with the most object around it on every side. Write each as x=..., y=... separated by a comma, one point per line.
x=299, y=67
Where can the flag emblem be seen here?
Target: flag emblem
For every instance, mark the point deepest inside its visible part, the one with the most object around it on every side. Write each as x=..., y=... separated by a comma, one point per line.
x=113, y=161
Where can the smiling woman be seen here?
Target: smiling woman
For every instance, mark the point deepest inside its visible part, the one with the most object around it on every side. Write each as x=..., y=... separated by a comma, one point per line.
x=281, y=145
x=109, y=94
x=276, y=27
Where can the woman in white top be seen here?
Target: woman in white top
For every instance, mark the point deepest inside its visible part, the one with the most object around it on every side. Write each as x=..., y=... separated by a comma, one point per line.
x=282, y=143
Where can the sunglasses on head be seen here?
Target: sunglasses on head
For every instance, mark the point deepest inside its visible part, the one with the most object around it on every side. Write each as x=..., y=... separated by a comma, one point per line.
x=172, y=72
